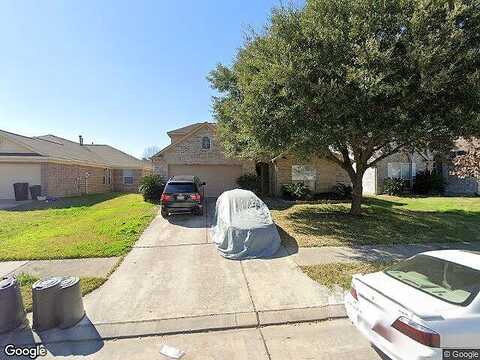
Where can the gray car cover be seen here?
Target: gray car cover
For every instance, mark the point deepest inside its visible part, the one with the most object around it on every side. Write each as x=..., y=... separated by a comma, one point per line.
x=243, y=227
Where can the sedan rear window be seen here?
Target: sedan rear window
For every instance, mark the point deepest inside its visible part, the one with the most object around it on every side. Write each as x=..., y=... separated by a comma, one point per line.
x=180, y=187
x=445, y=280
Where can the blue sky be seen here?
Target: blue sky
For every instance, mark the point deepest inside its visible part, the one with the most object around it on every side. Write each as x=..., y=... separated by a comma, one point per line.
x=118, y=72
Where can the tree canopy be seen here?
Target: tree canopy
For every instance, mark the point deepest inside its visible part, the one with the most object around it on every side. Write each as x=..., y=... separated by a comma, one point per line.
x=354, y=81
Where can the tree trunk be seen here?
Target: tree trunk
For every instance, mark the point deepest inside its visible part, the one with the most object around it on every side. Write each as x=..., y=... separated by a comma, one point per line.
x=357, y=196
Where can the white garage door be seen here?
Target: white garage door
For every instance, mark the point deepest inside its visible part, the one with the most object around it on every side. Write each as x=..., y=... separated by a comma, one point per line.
x=218, y=178
x=12, y=173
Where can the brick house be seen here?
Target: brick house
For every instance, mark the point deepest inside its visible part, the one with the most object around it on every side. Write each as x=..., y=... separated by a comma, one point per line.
x=194, y=150
x=66, y=168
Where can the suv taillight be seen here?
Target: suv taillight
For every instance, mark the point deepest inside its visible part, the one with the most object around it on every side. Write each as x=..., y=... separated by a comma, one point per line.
x=165, y=198
x=195, y=197
x=417, y=332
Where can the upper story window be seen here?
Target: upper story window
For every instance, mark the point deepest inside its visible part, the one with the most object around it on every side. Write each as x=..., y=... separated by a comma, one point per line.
x=206, y=143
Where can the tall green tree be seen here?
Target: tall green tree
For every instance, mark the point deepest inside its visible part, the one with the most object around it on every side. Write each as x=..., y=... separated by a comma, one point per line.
x=354, y=81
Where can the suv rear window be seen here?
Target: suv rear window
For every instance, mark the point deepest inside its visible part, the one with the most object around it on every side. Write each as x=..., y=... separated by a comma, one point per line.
x=445, y=280
x=180, y=187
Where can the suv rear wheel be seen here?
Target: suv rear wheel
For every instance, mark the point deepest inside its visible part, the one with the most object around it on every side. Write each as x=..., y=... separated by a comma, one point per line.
x=164, y=212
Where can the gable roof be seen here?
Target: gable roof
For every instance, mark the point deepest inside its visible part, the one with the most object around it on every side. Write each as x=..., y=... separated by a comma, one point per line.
x=60, y=149
x=186, y=129
x=192, y=132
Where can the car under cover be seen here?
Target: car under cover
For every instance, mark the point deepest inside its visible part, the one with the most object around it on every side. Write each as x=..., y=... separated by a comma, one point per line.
x=243, y=227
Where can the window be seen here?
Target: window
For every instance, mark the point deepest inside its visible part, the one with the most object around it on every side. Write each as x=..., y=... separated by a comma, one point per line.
x=303, y=173
x=205, y=143
x=128, y=177
x=398, y=170
x=445, y=280
x=107, y=177
x=180, y=187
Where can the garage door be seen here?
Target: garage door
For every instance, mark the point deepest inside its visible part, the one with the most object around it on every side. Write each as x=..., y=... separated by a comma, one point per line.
x=219, y=178
x=12, y=173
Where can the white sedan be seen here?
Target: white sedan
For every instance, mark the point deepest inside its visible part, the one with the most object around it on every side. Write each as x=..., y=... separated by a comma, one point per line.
x=426, y=307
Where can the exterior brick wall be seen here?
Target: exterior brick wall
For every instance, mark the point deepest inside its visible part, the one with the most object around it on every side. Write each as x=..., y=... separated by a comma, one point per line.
x=382, y=166
x=457, y=186
x=328, y=174
x=190, y=152
x=118, y=184
x=70, y=180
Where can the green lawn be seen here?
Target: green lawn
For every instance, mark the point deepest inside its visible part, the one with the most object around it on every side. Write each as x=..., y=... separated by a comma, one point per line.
x=385, y=220
x=341, y=273
x=100, y=225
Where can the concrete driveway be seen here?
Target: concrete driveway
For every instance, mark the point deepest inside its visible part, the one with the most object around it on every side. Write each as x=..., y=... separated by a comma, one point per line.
x=6, y=204
x=174, y=281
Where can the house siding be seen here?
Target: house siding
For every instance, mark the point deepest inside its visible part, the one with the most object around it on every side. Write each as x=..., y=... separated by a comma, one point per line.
x=328, y=174
x=190, y=152
x=70, y=180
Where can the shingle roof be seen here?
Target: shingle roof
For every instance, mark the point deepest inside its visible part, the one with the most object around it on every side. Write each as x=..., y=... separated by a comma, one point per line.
x=187, y=129
x=58, y=148
x=116, y=157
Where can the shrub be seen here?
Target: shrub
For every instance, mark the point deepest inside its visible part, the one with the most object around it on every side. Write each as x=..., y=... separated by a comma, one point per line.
x=151, y=187
x=427, y=182
x=297, y=191
x=249, y=182
x=395, y=186
x=342, y=191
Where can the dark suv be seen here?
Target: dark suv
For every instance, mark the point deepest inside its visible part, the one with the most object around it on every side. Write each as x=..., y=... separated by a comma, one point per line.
x=182, y=194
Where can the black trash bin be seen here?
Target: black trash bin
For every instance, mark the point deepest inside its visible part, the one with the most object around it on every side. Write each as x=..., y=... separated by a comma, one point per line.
x=35, y=191
x=44, y=299
x=70, y=308
x=21, y=191
x=12, y=312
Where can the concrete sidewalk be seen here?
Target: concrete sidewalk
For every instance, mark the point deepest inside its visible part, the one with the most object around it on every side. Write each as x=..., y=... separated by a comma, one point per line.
x=331, y=254
x=326, y=340
x=89, y=267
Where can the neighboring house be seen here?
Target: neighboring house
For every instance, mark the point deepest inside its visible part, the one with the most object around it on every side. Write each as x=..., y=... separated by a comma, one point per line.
x=194, y=150
x=66, y=168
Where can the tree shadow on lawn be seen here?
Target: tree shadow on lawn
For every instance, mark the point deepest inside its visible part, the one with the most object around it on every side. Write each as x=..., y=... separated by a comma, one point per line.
x=380, y=223
x=67, y=202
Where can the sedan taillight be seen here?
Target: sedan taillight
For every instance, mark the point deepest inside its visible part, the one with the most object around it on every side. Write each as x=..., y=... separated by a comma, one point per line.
x=417, y=332
x=353, y=292
x=165, y=198
x=195, y=197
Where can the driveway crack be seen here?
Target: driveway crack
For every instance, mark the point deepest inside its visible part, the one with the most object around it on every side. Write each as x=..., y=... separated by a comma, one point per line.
x=256, y=311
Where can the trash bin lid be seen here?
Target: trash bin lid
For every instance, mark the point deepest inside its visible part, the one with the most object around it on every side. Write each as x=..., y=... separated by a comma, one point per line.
x=46, y=283
x=69, y=281
x=7, y=282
